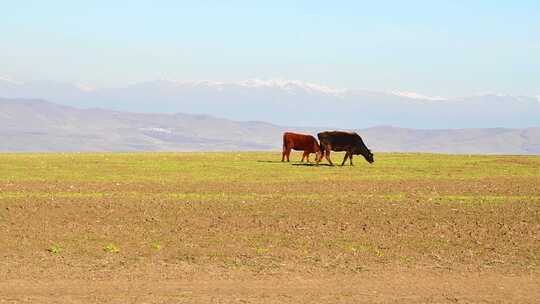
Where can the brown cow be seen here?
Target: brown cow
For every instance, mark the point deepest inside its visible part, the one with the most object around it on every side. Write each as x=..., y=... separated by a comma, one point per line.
x=300, y=142
x=343, y=141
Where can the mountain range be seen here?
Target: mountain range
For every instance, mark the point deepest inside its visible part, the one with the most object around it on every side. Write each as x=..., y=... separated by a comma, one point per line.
x=38, y=125
x=291, y=103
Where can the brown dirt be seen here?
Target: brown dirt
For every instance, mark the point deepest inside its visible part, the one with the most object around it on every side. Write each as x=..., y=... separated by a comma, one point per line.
x=271, y=241
x=381, y=287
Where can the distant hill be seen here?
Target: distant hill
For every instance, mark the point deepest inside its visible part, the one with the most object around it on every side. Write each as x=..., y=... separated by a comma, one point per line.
x=37, y=125
x=292, y=103
x=468, y=141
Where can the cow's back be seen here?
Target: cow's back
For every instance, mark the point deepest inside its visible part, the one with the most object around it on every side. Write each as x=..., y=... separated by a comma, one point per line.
x=300, y=141
x=338, y=140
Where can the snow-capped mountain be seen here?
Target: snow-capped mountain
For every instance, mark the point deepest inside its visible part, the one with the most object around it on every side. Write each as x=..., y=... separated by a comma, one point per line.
x=292, y=103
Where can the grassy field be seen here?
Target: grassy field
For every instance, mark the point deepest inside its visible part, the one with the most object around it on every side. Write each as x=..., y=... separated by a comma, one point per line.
x=246, y=228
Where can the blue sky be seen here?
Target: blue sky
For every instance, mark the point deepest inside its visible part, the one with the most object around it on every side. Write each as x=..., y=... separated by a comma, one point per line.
x=445, y=48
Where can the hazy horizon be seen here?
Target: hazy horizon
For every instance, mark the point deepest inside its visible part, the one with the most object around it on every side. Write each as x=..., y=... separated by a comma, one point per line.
x=445, y=49
x=352, y=64
x=292, y=103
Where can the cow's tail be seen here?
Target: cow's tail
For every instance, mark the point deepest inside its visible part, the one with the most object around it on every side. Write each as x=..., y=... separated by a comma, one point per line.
x=321, y=147
x=321, y=150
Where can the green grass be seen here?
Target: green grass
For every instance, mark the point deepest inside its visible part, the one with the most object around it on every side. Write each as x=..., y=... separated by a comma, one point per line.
x=253, y=167
x=55, y=249
x=111, y=248
x=250, y=211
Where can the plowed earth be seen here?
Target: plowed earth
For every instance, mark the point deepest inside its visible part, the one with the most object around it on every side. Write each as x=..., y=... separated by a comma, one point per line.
x=246, y=228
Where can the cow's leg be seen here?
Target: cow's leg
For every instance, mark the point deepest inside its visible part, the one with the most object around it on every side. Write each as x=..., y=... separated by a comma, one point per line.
x=350, y=158
x=307, y=157
x=304, y=156
x=321, y=154
x=318, y=157
x=345, y=158
x=327, y=155
x=288, y=154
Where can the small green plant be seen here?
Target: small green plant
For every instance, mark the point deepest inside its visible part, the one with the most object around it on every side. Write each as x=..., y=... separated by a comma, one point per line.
x=111, y=248
x=54, y=249
x=156, y=246
x=261, y=250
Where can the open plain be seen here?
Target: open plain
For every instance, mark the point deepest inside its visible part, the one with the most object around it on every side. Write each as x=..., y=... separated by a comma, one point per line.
x=247, y=228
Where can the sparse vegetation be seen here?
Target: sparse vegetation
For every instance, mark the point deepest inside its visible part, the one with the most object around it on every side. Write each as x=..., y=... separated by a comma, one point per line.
x=111, y=248
x=156, y=246
x=54, y=249
x=238, y=215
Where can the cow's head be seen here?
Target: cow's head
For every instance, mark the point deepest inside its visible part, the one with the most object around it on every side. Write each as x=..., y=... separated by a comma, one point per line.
x=369, y=157
x=361, y=149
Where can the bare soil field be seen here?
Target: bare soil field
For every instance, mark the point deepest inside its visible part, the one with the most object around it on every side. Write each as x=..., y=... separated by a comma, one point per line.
x=247, y=228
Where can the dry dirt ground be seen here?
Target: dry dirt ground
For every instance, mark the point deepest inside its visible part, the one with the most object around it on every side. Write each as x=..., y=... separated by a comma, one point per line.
x=244, y=228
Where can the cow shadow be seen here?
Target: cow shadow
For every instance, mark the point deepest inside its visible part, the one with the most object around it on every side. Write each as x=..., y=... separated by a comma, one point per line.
x=293, y=164
x=270, y=161
x=311, y=165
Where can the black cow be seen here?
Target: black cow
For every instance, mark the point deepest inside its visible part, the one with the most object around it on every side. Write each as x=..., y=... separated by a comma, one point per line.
x=343, y=141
